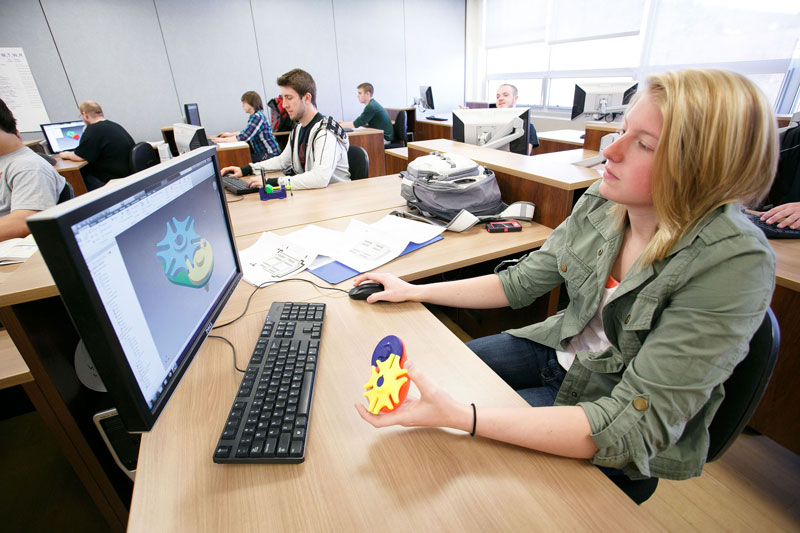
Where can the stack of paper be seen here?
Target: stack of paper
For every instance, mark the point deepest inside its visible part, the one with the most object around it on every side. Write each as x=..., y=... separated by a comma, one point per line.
x=333, y=255
x=17, y=250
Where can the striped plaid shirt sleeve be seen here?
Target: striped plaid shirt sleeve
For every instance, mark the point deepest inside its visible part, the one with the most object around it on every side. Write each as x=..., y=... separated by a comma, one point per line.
x=259, y=134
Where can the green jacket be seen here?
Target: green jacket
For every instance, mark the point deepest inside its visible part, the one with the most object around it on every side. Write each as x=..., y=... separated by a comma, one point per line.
x=677, y=329
x=375, y=116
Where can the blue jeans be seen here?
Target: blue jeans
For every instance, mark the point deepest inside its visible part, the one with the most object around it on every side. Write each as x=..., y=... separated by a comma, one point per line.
x=529, y=367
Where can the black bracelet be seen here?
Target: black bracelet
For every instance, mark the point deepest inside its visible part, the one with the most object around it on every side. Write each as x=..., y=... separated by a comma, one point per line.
x=474, y=420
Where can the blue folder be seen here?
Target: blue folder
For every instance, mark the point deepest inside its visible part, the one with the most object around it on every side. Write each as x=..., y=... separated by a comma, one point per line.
x=335, y=272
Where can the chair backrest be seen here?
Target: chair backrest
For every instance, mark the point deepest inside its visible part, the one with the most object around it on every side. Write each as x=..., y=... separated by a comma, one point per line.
x=358, y=159
x=143, y=156
x=400, y=127
x=67, y=193
x=745, y=387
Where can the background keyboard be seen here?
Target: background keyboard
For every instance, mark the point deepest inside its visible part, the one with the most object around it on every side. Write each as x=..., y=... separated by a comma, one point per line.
x=237, y=186
x=772, y=231
x=268, y=422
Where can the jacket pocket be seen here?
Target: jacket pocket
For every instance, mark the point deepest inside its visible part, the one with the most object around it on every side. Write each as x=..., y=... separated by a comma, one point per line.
x=572, y=268
x=609, y=361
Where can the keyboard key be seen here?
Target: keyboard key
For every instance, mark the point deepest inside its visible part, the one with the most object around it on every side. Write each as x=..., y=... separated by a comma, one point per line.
x=297, y=448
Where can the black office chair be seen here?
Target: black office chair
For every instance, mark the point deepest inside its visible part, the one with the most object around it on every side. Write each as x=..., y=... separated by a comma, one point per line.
x=358, y=160
x=743, y=390
x=143, y=156
x=400, y=130
x=67, y=193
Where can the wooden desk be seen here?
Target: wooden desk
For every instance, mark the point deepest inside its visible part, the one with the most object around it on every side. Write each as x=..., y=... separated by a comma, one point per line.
x=236, y=155
x=425, y=130
x=558, y=141
x=72, y=173
x=596, y=131
x=778, y=414
x=371, y=140
x=551, y=181
x=13, y=370
x=396, y=160
x=47, y=347
x=354, y=475
x=250, y=215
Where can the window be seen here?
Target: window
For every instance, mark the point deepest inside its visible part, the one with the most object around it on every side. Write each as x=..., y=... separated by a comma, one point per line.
x=546, y=46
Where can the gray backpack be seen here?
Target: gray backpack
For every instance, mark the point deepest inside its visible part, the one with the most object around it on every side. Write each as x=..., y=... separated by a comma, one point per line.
x=441, y=185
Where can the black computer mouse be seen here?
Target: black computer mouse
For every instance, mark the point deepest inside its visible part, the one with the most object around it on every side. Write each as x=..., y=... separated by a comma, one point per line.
x=364, y=289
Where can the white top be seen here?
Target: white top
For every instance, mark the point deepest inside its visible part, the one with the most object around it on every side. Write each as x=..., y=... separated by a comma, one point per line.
x=593, y=337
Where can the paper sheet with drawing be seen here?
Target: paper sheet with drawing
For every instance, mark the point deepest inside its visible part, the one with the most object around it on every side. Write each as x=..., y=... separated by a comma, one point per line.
x=272, y=258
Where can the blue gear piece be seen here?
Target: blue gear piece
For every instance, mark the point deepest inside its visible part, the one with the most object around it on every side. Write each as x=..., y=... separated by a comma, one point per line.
x=179, y=244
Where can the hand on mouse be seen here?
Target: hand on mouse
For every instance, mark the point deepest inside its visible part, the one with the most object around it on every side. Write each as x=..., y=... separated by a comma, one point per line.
x=394, y=289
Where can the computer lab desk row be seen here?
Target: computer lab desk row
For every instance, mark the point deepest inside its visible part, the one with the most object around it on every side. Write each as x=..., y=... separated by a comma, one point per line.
x=37, y=322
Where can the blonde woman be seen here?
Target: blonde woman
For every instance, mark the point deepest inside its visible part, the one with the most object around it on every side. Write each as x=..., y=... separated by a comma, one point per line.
x=667, y=283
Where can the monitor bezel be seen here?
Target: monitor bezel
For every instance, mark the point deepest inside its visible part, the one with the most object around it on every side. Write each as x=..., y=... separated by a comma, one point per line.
x=47, y=138
x=52, y=231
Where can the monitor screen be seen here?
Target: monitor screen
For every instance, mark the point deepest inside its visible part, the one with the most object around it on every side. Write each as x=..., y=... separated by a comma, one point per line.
x=426, y=96
x=499, y=128
x=188, y=137
x=192, y=114
x=62, y=136
x=144, y=269
x=602, y=100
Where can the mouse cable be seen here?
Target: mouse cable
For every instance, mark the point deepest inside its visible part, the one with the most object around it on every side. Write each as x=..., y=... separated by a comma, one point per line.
x=232, y=201
x=249, y=298
x=229, y=343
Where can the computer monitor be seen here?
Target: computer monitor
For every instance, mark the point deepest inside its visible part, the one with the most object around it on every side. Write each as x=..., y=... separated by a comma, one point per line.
x=188, y=137
x=144, y=267
x=426, y=96
x=62, y=136
x=192, y=114
x=602, y=100
x=499, y=128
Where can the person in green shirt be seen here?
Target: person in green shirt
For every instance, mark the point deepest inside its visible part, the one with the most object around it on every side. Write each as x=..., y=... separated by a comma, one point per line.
x=373, y=116
x=667, y=282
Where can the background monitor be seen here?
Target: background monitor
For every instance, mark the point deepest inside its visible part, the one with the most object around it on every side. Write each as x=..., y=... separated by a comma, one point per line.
x=499, y=128
x=426, y=96
x=192, y=114
x=144, y=269
x=602, y=100
x=188, y=137
x=62, y=136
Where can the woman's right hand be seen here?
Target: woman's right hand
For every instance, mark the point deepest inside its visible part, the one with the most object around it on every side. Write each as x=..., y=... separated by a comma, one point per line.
x=394, y=288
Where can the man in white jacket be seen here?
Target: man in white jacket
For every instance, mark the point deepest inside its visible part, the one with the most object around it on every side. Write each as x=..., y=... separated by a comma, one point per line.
x=316, y=153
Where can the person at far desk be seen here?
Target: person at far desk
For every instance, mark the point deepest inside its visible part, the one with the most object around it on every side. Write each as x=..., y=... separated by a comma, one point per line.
x=105, y=145
x=28, y=183
x=316, y=153
x=373, y=116
x=784, y=195
x=666, y=290
x=257, y=133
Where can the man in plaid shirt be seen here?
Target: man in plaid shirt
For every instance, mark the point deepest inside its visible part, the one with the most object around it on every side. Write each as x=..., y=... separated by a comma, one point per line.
x=257, y=133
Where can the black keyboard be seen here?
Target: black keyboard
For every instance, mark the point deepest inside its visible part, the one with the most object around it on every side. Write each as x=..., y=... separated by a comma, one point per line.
x=268, y=422
x=441, y=119
x=772, y=231
x=237, y=186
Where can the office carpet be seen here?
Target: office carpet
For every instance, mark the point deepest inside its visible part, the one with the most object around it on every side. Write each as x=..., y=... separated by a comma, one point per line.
x=39, y=491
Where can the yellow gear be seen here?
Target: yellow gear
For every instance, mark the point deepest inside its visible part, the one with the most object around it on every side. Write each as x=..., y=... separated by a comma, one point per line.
x=388, y=393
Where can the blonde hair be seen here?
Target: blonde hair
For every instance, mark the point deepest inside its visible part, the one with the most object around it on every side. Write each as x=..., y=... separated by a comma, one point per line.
x=91, y=108
x=718, y=145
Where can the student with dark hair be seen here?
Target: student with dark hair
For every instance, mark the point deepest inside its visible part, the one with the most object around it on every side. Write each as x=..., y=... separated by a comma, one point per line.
x=373, y=116
x=257, y=133
x=105, y=145
x=27, y=182
x=316, y=153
